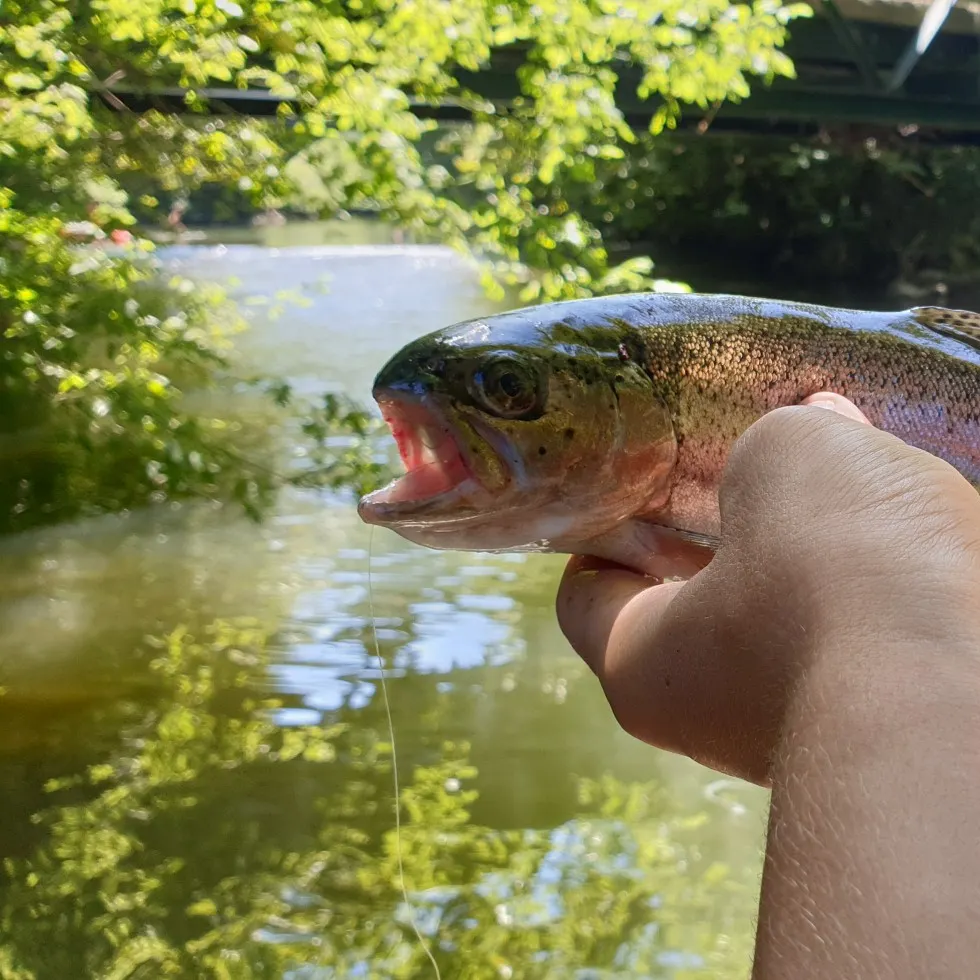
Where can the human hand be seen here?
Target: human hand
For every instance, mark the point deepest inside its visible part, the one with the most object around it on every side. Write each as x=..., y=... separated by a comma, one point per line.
x=837, y=540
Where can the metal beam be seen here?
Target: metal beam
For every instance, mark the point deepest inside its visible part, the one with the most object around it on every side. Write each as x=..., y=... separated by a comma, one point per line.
x=830, y=87
x=780, y=102
x=853, y=45
x=932, y=23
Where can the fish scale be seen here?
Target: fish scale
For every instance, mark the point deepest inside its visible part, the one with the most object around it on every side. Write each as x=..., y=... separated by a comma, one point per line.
x=718, y=378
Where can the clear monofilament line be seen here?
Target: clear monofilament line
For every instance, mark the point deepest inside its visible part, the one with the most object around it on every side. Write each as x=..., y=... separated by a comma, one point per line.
x=394, y=765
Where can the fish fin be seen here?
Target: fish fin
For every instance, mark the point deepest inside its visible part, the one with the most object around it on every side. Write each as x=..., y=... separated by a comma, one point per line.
x=708, y=541
x=962, y=325
x=652, y=549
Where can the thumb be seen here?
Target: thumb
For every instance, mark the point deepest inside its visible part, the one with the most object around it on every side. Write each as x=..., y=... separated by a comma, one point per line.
x=836, y=403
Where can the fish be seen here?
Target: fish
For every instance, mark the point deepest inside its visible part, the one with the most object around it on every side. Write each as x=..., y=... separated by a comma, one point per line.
x=602, y=426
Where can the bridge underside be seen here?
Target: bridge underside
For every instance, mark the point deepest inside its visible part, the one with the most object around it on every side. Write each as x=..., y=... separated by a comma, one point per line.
x=911, y=67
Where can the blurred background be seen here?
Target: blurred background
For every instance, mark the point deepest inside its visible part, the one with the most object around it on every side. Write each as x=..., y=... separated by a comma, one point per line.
x=217, y=220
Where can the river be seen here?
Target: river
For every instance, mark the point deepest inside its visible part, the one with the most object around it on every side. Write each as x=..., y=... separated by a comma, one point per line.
x=163, y=817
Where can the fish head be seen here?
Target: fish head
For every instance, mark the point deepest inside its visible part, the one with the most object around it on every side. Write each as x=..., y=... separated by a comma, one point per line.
x=521, y=432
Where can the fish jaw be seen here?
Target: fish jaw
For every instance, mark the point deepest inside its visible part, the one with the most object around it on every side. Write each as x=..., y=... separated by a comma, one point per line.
x=441, y=480
x=465, y=487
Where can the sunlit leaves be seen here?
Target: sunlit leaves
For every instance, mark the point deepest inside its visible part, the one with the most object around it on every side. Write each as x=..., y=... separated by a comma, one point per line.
x=355, y=68
x=516, y=187
x=98, y=353
x=535, y=161
x=345, y=448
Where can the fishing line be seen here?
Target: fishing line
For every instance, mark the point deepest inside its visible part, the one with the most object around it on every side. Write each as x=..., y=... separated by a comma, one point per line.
x=394, y=765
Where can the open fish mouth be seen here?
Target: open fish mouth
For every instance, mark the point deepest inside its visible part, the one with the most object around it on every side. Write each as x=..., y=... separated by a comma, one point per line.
x=437, y=474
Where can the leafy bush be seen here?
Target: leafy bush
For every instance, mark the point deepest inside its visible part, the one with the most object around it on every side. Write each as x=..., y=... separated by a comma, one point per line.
x=832, y=218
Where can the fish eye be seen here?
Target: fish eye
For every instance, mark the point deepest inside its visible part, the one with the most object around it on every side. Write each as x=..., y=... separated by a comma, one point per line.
x=505, y=387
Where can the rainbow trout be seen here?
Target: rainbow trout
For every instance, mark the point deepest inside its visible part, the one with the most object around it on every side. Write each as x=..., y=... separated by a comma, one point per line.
x=597, y=426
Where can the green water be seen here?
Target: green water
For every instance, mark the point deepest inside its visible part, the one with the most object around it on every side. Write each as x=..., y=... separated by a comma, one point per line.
x=219, y=804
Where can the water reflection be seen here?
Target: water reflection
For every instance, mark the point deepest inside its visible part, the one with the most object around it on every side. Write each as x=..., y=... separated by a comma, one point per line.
x=213, y=842
x=220, y=805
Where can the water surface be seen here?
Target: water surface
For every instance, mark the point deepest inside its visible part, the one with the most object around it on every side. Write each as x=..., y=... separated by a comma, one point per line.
x=162, y=819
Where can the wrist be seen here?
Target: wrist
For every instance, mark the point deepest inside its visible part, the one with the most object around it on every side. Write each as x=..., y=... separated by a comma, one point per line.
x=871, y=862
x=872, y=680
x=863, y=606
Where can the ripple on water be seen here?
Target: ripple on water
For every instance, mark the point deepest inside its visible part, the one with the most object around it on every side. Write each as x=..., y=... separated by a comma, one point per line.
x=325, y=607
x=388, y=561
x=488, y=603
x=296, y=717
x=430, y=608
x=347, y=654
x=344, y=578
x=391, y=636
x=454, y=640
x=322, y=688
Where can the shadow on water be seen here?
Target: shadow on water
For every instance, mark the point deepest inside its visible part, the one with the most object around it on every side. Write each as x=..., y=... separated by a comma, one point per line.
x=194, y=754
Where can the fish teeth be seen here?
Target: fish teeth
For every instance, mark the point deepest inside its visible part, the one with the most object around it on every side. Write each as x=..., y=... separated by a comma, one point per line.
x=428, y=454
x=428, y=445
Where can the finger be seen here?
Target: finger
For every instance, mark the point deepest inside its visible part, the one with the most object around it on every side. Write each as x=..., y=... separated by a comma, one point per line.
x=836, y=403
x=777, y=455
x=655, y=650
x=592, y=593
x=594, y=598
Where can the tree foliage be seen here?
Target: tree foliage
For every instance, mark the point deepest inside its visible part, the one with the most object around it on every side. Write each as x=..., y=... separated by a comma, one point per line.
x=100, y=353
x=357, y=73
x=839, y=218
x=115, y=391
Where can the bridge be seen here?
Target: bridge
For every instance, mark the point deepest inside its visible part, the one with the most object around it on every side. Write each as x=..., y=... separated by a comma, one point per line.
x=903, y=66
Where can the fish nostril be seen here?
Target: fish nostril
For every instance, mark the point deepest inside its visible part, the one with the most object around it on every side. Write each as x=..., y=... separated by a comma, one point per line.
x=433, y=365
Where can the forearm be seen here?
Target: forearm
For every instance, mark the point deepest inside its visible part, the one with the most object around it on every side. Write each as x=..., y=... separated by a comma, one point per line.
x=873, y=860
